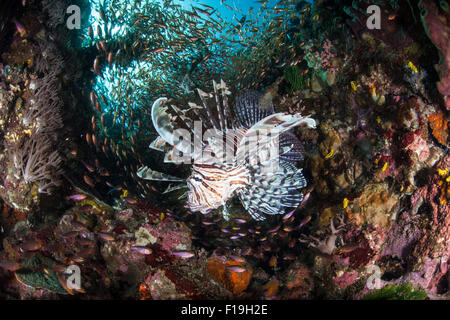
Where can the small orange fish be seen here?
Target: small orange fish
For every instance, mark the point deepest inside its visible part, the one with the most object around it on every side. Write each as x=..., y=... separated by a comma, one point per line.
x=105, y=236
x=88, y=138
x=304, y=221
x=131, y=200
x=348, y=248
x=31, y=245
x=89, y=181
x=392, y=16
x=273, y=261
x=9, y=265
x=92, y=97
x=157, y=50
x=63, y=281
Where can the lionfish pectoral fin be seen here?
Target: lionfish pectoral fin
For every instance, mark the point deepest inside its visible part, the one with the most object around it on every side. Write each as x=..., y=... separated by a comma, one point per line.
x=162, y=121
x=269, y=193
x=267, y=134
x=149, y=174
x=255, y=215
x=183, y=196
x=225, y=212
x=158, y=144
x=174, y=155
x=291, y=149
x=172, y=188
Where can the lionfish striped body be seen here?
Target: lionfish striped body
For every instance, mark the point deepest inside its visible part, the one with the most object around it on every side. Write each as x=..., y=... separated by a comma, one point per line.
x=211, y=186
x=247, y=151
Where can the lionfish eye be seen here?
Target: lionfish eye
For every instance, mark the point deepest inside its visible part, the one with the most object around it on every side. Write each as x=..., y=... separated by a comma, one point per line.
x=196, y=178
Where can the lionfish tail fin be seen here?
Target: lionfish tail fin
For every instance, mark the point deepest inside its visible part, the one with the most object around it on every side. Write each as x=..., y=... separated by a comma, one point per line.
x=270, y=193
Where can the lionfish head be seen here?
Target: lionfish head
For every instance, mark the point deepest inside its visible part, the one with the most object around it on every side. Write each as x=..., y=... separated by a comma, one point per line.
x=202, y=195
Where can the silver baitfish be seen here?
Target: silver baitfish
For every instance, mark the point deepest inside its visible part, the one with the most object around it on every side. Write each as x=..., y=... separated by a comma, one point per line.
x=247, y=150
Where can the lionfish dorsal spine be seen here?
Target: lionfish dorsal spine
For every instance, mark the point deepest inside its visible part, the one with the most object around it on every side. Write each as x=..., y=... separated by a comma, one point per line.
x=190, y=126
x=212, y=119
x=195, y=108
x=229, y=123
x=272, y=127
x=220, y=114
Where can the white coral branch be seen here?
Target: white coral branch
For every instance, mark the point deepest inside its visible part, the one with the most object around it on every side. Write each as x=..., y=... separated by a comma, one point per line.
x=328, y=244
x=35, y=162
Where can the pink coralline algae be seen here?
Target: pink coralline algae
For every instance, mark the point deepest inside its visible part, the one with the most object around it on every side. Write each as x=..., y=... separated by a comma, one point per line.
x=323, y=59
x=298, y=282
x=421, y=238
x=420, y=147
x=170, y=235
x=162, y=288
x=344, y=279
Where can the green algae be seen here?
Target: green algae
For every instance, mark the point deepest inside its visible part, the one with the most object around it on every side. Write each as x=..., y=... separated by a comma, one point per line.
x=396, y=292
x=295, y=80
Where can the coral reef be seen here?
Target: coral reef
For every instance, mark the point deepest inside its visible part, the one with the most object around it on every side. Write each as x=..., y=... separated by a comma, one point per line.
x=75, y=126
x=436, y=20
x=31, y=106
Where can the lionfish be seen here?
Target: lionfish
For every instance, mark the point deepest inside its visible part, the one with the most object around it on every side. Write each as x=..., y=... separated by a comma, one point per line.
x=247, y=150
